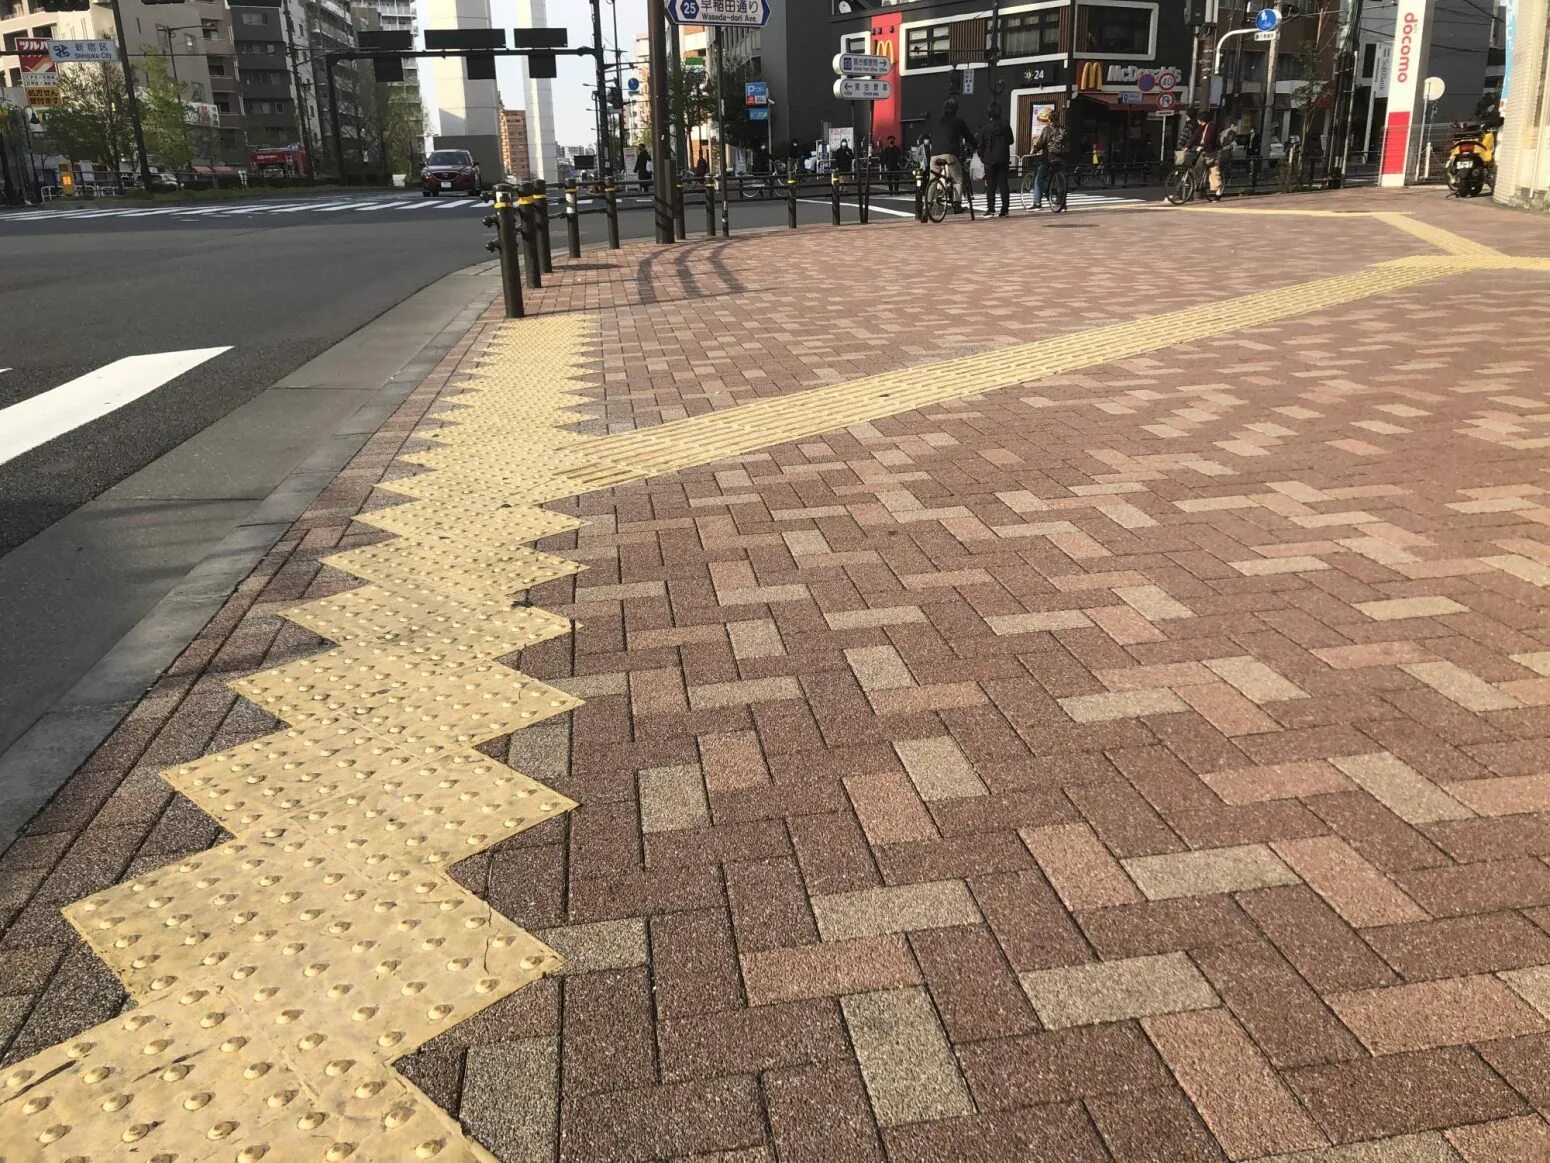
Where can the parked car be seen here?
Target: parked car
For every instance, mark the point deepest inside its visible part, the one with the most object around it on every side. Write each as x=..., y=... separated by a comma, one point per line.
x=450, y=169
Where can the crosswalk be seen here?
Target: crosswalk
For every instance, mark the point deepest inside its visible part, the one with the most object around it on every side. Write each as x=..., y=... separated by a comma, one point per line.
x=194, y=212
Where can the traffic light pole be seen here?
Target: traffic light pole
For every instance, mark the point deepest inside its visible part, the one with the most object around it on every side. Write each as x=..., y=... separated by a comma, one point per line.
x=604, y=145
x=134, y=102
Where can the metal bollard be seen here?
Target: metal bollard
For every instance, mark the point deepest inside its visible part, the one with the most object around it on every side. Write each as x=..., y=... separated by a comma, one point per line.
x=710, y=205
x=505, y=244
x=572, y=220
x=541, y=217
x=791, y=201
x=834, y=195
x=525, y=204
x=679, y=225
x=920, y=195
x=611, y=205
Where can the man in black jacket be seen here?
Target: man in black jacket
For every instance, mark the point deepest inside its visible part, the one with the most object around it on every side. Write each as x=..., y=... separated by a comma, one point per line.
x=948, y=137
x=996, y=153
x=893, y=162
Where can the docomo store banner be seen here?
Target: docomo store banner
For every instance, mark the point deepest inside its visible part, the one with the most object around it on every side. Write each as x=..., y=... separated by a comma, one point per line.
x=1407, y=76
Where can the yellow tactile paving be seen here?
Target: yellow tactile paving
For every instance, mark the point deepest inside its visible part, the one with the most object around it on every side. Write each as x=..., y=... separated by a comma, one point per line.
x=279, y=975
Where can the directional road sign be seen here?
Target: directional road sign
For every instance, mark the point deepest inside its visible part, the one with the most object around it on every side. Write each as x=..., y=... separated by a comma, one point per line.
x=726, y=13
x=64, y=51
x=1267, y=19
x=849, y=64
x=1271, y=35
x=759, y=113
x=756, y=93
x=862, y=89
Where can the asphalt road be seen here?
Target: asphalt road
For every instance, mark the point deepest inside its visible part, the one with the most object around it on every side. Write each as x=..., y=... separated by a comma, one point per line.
x=277, y=280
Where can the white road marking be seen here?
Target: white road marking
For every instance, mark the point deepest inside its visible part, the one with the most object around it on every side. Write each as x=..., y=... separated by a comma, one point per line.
x=876, y=209
x=49, y=414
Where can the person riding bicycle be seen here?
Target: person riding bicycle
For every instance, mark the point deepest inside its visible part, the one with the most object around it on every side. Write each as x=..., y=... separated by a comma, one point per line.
x=949, y=138
x=1206, y=144
x=1050, y=142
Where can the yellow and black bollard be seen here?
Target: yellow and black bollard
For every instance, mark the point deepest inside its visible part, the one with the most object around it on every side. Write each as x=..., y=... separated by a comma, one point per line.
x=505, y=244
x=541, y=219
x=525, y=207
x=834, y=195
x=611, y=206
x=572, y=220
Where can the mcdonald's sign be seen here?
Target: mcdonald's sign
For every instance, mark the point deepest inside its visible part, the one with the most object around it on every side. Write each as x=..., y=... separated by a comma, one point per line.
x=1089, y=77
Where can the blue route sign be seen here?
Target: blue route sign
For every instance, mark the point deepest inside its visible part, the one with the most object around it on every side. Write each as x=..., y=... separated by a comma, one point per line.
x=724, y=13
x=1267, y=19
x=759, y=113
x=633, y=84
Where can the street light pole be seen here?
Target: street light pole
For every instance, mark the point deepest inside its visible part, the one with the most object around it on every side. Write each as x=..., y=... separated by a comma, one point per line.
x=134, y=103
x=661, y=131
x=604, y=146
x=301, y=96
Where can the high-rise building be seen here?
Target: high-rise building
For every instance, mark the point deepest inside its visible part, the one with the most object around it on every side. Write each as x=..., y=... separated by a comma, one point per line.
x=400, y=16
x=467, y=113
x=272, y=105
x=514, y=154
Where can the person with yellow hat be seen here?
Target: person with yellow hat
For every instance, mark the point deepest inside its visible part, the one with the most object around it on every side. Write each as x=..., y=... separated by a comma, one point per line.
x=1049, y=153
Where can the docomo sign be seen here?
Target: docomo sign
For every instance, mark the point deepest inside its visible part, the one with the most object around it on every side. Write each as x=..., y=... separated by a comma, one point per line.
x=848, y=64
x=1407, y=30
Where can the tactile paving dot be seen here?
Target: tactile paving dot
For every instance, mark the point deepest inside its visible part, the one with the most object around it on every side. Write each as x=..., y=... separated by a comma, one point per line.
x=464, y=708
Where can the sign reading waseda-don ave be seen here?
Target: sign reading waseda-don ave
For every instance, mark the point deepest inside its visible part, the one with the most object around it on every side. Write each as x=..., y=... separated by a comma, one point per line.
x=725, y=13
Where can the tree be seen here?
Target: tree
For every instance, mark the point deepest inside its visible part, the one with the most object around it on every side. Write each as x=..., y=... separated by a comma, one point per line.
x=91, y=121
x=164, y=114
x=401, y=125
x=690, y=100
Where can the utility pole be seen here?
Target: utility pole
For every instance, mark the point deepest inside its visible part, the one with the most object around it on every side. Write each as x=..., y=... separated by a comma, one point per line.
x=675, y=77
x=134, y=102
x=604, y=146
x=1345, y=91
x=661, y=130
x=301, y=97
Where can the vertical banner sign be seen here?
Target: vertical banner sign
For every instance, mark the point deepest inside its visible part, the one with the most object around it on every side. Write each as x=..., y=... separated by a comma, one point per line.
x=40, y=81
x=1407, y=72
x=886, y=113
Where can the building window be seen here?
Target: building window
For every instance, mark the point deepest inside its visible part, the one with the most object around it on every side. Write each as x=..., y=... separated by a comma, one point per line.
x=854, y=44
x=222, y=103
x=927, y=47
x=1369, y=60
x=217, y=67
x=1113, y=31
x=1030, y=34
x=253, y=19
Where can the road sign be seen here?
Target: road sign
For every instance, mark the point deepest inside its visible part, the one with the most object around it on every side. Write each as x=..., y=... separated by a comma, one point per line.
x=1267, y=19
x=759, y=113
x=1265, y=35
x=756, y=93
x=1131, y=97
x=1165, y=100
x=67, y=51
x=849, y=64
x=726, y=13
x=968, y=82
x=862, y=89
x=633, y=84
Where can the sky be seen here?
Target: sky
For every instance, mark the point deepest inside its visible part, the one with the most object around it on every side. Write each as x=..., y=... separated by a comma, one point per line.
x=574, y=113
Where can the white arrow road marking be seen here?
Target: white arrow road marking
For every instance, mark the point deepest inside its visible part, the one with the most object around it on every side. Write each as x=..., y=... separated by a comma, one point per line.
x=875, y=208
x=40, y=419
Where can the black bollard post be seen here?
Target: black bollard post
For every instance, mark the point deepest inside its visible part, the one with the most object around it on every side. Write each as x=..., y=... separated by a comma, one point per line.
x=505, y=244
x=572, y=220
x=679, y=224
x=920, y=195
x=611, y=205
x=791, y=201
x=710, y=205
x=834, y=196
x=541, y=217
x=525, y=205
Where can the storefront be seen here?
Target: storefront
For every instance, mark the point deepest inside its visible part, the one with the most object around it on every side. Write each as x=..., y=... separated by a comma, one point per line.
x=1112, y=69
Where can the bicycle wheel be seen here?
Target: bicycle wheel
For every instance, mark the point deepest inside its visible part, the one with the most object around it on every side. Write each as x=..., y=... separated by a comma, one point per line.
x=1176, y=185
x=937, y=201
x=1030, y=175
x=1057, y=190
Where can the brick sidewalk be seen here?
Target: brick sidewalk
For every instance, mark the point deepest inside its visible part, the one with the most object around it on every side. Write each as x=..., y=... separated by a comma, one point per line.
x=1144, y=762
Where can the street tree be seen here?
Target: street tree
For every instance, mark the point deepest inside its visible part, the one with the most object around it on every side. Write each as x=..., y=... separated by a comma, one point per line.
x=164, y=114
x=691, y=101
x=91, y=121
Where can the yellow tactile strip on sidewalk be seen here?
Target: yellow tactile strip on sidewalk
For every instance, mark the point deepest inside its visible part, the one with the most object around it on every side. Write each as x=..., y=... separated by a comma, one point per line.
x=279, y=976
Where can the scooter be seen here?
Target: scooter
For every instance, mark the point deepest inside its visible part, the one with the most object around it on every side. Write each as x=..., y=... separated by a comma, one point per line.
x=1472, y=161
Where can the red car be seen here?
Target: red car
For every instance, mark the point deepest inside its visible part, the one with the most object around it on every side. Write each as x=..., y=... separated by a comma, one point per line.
x=450, y=169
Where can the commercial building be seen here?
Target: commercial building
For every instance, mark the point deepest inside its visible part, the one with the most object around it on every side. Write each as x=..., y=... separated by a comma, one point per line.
x=194, y=38
x=514, y=155
x=1523, y=146
x=274, y=109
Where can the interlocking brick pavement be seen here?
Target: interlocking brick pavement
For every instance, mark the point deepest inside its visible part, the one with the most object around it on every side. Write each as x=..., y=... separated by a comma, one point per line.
x=1143, y=762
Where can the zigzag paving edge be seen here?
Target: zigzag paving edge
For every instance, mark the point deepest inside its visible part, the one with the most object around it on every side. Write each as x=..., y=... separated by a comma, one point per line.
x=279, y=976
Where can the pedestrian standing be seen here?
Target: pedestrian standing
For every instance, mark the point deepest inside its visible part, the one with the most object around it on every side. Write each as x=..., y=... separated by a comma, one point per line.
x=893, y=162
x=843, y=158
x=643, y=168
x=996, y=153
